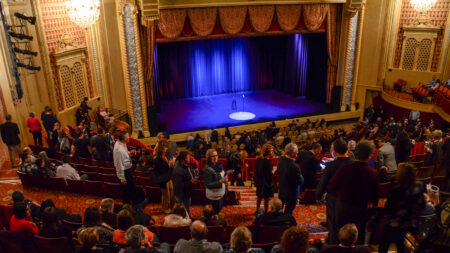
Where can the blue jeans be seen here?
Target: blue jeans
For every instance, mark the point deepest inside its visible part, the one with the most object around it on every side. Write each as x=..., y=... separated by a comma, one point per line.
x=186, y=203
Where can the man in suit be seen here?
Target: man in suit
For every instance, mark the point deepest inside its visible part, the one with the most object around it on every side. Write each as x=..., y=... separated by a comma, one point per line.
x=10, y=136
x=386, y=159
x=183, y=181
x=289, y=178
x=403, y=147
x=275, y=217
x=100, y=146
x=310, y=164
x=356, y=185
x=339, y=151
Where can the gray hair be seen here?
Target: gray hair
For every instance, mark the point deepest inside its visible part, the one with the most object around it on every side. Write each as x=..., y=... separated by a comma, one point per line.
x=351, y=144
x=135, y=235
x=290, y=148
x=348, y=234
x=276, y=204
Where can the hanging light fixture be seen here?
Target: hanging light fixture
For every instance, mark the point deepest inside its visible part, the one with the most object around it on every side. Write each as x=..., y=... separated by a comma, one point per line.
x=83, y=12
x=422, y=6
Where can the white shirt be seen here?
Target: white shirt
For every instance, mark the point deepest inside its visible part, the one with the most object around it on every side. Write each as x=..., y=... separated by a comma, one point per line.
x=67, y=172
x=122, y=160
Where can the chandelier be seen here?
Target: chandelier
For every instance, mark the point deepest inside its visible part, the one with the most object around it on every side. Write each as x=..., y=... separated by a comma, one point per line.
x=83, y=12
x=422, y=5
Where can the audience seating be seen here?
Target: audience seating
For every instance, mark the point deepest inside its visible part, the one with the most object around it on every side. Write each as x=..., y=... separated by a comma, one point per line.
x=52, y=245
x=216, y=234
x=17, y=242
x=6, y=212
x=270, y=234
x=112, y=190
x=399, y=85
x=171, y=235
x=384, y=189
x=73, y=225
x=425, y=171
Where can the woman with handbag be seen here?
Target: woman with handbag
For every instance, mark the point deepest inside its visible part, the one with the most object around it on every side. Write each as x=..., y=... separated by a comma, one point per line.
x=215, y=180
x=263, y=177
x=161, y=175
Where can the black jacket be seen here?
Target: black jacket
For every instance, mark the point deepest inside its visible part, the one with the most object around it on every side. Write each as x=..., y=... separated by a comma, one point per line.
x=402, y=147
x=212, y=175
x=10, y=133
x=289, y=178
x=182, y=186
x=330, y=169
x=48, y=120
x=275, y=219
x=264, y=178
x=100, y=143
x=161, y=173
x=309, y=164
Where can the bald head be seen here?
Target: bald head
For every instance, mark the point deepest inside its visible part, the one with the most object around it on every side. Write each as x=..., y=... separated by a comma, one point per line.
x=276, y=204
x=348, y=235
x=198, y=230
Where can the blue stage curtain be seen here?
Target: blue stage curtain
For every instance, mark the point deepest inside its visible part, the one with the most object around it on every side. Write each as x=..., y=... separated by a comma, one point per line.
x=212, y=67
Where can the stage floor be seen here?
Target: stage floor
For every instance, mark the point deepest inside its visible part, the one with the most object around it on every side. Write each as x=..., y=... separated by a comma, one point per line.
x=192, y=114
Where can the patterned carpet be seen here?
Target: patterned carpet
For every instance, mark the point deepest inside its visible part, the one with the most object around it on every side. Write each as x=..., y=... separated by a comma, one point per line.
x=243, y=214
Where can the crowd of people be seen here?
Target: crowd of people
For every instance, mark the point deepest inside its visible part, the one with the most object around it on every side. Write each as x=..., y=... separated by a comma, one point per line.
x=348, y=184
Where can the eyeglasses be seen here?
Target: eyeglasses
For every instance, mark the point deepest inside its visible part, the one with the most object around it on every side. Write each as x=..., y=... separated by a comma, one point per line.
x=214, y=155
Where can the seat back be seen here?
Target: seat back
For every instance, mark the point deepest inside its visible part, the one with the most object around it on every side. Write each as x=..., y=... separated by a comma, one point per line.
x=143, y=181
x=216, y=234
x=384, y=189
x=27, y=179
x=76, y=186
x=94, y=188
x=110, y=178
x=425, y=171
x=72, y=225
x=57, y=184
x=112, y=190
x=172, y=235
x=17, y=242
x=6, y=212
x=439, y=181
x=52, y=245
x=267, y=247
x=270, y=234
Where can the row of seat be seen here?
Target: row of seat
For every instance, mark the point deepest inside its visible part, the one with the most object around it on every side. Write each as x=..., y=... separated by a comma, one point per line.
x=441, y=98
x=420, y=93
x=112, y=189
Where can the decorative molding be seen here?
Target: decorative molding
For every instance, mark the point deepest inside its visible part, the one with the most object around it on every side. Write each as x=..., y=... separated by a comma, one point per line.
x=175, y=4
x=95, y=62
x=351, y=51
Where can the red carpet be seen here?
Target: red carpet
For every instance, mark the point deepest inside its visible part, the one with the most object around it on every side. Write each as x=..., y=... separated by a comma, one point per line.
x=243, y=214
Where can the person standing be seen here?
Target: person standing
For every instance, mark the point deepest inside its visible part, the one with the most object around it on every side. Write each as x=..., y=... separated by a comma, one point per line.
x=100, y=146
x=84, y=107
x=386, y=156
x=403, y=147
x=161, y=174
x=34, y=125
x=122, y=163
x=10, y=136
x=339, y=151
x=215, y=180
x=446, y=163
x=356, y=185
x=183, y=181
x=310, y=164
x=48, y=120
x=264, y=177
x=290, y=178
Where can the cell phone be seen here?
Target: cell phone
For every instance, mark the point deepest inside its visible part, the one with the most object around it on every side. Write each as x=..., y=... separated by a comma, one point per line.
x=322, y=166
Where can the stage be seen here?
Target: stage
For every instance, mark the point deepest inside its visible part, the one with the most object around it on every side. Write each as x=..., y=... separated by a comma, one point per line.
x=193, y=114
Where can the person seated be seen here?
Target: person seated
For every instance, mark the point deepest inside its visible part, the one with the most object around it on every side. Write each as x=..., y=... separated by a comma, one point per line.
x=18, y=222
x=66, y=171
x=81, y=146
x=88, y=239
x=198, y=242
x=64, y=143
x=42, y=169
x=106, y=212
x=348, y=235
x=124, y=221
x=212, y=219
x=140, y=218
x=51, y=226
x=447, y=84
x=92, y=219
x=241, y=241
x=17, y=196
x=27, y=150
x=144, y=161
x=178, y=218
x=275, y=217
x=294, y=240
x=138, y=242
x=61, y=213
x=43, y=156
x=26, y=164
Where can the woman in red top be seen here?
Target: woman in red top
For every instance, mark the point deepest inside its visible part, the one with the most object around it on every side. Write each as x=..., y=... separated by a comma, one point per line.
x=34, y=125
x=124, y=221
x=18, y=222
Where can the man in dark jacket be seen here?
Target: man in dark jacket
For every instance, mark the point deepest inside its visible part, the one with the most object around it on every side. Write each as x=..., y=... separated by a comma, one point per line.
x=339, y=149
x=84, y=107
x=402, y=147
x=289, y=178
x=275, y=217
x=310, y=164
x=100, y=146
x=183, y=181
x=48, y=120
x=355, y=185
x=10, y=136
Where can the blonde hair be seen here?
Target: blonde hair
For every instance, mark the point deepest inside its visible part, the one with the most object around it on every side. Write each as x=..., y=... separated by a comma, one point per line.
x=88, y=237
x=241, y=239
x=437, y=134
x=266, y=151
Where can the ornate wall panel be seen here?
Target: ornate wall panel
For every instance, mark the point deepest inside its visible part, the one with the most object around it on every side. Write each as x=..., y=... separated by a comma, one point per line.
x=409, y=54
x=438, y=14
x=56, y=22
x=351, y=54
x=424, y=54
x=67, y=87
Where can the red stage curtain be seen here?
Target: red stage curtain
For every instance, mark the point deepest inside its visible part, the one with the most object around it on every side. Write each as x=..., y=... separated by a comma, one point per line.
x=288, y=16
x=333, y=37
x=202, y=20
x=261, y=17
x=232, y=19
x=171, y=22
x=148, y=36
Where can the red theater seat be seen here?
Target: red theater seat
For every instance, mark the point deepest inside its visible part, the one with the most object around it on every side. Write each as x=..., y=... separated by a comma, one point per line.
x=172, y=235
x=270, y=234
x=94, y=188
x=216, y=234
x=52, y=245
x=6, y=212
x=112, y=190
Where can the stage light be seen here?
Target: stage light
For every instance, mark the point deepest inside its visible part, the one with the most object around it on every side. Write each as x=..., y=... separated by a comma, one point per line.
x=83, y=12
x=31, y=20
x=28, y=52
x=20, y=36
x=29, y=67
